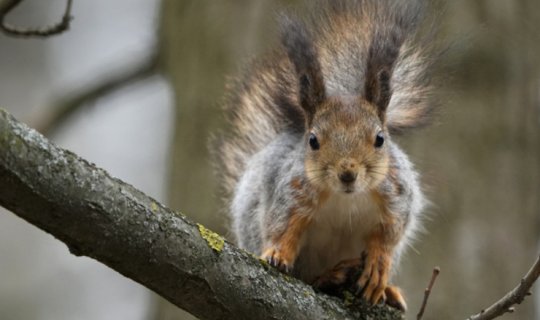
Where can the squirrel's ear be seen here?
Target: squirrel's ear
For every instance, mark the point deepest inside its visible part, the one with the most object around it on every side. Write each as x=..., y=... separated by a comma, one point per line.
x=381, y=59
x=300, y=49
x=378, y=90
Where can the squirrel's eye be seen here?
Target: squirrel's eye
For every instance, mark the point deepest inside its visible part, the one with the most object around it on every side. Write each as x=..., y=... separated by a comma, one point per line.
x=313, y=142
x=379, y=140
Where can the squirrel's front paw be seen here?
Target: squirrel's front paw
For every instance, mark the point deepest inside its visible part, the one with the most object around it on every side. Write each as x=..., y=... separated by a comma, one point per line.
x=345, y=275
x=374, y=278
x=280, y=259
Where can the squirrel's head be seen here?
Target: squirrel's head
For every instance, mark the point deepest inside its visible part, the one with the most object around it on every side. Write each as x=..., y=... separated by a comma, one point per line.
x=346, y=137
x=346, y=147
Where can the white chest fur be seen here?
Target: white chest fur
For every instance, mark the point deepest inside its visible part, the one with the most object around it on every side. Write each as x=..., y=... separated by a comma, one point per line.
x=338, y=232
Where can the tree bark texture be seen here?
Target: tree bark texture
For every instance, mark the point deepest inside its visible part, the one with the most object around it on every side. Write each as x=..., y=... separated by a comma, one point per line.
x=106, y=219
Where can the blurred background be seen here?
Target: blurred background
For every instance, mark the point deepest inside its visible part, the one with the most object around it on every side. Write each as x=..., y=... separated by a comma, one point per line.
x=135, y=87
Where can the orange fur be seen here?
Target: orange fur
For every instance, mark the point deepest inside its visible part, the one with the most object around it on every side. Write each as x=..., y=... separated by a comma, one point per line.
x=284, y=250
x=380, y=243
x=374, y=278
x=392, y=226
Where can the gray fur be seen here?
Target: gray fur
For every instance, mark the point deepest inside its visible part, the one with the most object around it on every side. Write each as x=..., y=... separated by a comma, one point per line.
x=263, y=197
x=411, y=203
x=266, y=148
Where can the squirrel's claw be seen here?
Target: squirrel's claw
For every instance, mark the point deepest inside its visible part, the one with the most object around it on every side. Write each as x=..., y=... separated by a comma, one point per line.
x=277, y=259
x=374, y=279
x=394, y=298
x=346, y=275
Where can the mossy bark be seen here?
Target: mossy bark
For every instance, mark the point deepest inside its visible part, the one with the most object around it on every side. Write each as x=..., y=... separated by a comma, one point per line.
x=106, y=219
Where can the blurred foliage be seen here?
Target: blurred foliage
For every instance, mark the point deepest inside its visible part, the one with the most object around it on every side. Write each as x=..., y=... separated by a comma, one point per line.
x=480, y=162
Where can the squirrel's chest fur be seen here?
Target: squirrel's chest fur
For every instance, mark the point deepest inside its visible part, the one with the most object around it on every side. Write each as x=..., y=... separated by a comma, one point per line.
x=337, y=232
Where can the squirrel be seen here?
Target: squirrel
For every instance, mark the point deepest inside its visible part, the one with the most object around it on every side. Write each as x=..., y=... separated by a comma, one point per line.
x=314, y=182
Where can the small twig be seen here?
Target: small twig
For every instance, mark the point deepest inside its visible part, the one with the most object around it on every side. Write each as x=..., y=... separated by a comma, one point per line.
x=47, y=121
x=10, y=30
x=427, y=292
x=516, y=296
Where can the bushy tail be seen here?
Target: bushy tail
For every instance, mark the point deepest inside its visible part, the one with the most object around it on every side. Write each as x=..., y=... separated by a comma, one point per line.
x=413, y=103
x=263, y=102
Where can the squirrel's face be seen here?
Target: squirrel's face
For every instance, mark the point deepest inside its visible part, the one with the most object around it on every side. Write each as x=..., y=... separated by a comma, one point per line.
x=346, y=147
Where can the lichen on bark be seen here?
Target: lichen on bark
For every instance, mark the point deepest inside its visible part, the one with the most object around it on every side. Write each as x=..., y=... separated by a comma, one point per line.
x=214, y=240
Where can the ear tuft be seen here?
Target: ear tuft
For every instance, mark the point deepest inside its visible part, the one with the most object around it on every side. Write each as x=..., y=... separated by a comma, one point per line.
x=382, y=56
x=301, y=51
x=385, y=91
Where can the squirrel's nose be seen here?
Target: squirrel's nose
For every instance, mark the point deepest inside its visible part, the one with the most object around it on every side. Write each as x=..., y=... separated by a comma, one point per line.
x=347, y=177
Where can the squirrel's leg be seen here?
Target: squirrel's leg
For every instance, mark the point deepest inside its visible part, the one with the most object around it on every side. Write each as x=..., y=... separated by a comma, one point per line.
x=283, y=250
x=374, y=278
x=380, y=244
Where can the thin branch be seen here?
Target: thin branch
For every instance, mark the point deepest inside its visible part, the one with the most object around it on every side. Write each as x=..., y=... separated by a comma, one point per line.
x=427, y=292
x=48, y=120
x=106, y=219
x=8, y=5
x=516, y=296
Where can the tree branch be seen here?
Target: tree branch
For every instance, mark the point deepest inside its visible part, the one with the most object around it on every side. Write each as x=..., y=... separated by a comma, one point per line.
x=106, y=219
x=427, y=292
x=8, y=5
x=45, y=122
x=516, y=296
